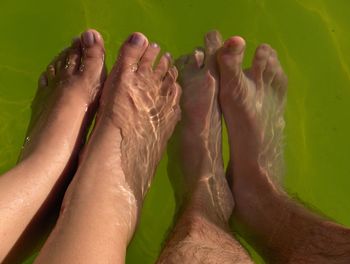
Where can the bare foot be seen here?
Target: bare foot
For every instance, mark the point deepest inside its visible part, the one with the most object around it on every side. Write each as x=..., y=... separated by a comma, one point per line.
x=202, y=234
x=139, y=109
x=253, y=106
x=200, y=130
x=70, y=85
x=252, y=102
x=63, y=107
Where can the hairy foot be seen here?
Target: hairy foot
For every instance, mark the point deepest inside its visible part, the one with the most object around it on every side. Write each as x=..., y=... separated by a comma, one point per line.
x=200, y=130
x=202, y=234
x=139, y=109
x=252, y=102
x=66, y=99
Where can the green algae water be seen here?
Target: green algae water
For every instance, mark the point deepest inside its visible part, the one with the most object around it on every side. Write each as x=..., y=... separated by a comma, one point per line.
x=311, y=37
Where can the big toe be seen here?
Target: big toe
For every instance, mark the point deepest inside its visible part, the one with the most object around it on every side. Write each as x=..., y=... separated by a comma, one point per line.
x=132, y=51
x=92, y=61
x=230, y=56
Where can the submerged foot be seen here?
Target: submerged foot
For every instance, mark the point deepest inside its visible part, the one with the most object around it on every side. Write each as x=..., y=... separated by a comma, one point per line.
x=66, y=100
x=200, y=131
x=137, y=115
x=252, y=102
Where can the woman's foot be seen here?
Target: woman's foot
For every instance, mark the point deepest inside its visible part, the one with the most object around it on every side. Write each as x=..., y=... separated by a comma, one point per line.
x=137, y=115
x=66, y=100
x=61, y=111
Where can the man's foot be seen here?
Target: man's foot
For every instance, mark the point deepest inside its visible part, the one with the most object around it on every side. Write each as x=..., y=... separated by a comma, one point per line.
x=66, y=100
x=200, y=131
x=201, y=234
x=252, y=102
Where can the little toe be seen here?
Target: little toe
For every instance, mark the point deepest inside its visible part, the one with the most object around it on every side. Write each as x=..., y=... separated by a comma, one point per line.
x=261, y=57
x=92, y=61
x=132, y=51
x=73, y=57
x=163, y=66
x=43, y=80
x=230, y=56
x=213, y=42
x=148, y=58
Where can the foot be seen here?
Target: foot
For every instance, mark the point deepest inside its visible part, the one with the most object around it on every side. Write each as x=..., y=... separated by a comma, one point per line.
x=200, y=131
x=253, y=106
x=66, y=101
x=252, y=102
x=139, y=109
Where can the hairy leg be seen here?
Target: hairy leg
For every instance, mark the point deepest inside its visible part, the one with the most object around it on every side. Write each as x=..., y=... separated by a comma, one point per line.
x=137, y=115
x=253, y=105
x=201, y=234
x=61, y=111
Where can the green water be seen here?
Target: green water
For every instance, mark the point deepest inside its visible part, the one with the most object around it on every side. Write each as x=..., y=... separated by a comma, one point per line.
x=311, y=37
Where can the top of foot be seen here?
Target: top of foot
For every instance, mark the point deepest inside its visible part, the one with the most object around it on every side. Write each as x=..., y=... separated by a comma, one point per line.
x=67, y=93
x=253, y=101
x=141, y=100
x=200, y=128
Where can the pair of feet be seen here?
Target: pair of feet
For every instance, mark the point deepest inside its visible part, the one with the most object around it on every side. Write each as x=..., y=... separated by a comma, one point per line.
x=138, y=109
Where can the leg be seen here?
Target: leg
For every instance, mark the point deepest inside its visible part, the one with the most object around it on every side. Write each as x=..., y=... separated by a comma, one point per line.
x=137, y=115
x=202, y=234
x=61, y=112
x=253, y=105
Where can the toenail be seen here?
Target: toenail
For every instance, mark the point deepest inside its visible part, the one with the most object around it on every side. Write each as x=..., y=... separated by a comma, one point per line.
x=88, y=38
x=136, y=39
x=168, y=55
x=154, y=45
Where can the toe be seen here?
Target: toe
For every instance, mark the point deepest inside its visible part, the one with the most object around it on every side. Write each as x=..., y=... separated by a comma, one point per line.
x=280, y=83
x=230, y=56
x=73, y=57
x=60, y=62
x=51, y=70
x=168, y=81
x=196, y=59
x=43, y=80
x=163, y=65
x=261, y=57
x=132, y=51
x=272, y=66
x=149, y=57
x=92, y=60
x=213, y=42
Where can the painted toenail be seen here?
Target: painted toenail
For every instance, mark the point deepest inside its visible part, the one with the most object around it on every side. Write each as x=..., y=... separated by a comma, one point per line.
x=136, y=39
x=88, y=38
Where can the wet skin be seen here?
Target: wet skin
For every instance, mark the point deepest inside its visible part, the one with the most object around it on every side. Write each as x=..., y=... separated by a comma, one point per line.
x=137, y=115
x=64, y=104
